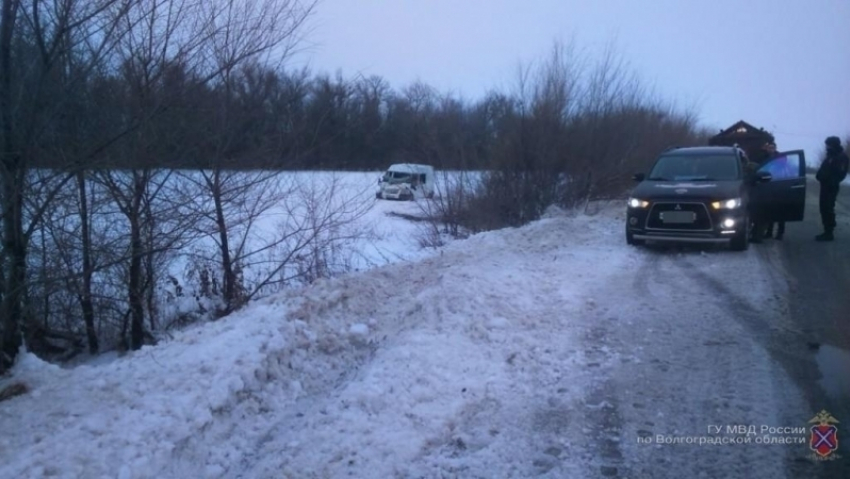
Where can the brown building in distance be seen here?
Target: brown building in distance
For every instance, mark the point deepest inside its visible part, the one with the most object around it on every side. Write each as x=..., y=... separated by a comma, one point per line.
x=746, y=136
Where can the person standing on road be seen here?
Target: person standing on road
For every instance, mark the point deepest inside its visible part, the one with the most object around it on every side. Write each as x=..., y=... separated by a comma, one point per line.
x=769, y=153
x=757, y=211
x=831, y=173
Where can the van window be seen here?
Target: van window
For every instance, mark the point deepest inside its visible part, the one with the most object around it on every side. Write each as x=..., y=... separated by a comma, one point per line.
x=397, y=177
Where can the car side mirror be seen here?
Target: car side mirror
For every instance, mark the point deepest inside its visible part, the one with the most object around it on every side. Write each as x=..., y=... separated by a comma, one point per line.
x=763, y=177
x=639, y=177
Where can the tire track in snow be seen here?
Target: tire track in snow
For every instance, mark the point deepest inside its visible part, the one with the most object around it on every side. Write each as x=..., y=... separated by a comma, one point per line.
x=527, y=340
x=545, y=372
x=687, y=362
x=771, y=328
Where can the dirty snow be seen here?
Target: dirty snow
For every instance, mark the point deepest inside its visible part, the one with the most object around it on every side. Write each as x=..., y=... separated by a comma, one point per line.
x=546, y=350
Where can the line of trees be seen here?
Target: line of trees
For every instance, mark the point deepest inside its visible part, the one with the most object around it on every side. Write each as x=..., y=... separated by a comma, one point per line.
x=86, y=87
x=255, y=115
x=132, y=131
x=573, y=129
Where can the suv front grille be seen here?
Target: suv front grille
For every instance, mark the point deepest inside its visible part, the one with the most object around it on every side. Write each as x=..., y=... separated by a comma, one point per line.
x=659, y=219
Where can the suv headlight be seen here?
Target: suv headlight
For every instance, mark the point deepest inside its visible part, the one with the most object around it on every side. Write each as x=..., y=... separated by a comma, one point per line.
x=638, y=203
x=727, y=204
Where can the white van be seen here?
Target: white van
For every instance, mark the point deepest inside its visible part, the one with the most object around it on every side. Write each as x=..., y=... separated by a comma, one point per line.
x=406, y=181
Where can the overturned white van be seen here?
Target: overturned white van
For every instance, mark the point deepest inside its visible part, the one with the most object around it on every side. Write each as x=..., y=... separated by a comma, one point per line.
x=406, y=181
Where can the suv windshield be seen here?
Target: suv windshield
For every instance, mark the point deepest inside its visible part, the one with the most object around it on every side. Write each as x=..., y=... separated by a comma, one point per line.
x=695, y=168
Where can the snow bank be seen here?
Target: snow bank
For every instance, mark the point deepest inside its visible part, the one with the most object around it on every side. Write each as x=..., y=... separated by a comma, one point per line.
x=132, y=416
x=509, y=354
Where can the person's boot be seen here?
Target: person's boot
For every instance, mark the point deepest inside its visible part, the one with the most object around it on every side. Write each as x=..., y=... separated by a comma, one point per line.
x=825, y=236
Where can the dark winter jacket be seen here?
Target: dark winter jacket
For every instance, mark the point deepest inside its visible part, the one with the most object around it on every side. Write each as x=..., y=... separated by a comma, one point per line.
x=833, y=170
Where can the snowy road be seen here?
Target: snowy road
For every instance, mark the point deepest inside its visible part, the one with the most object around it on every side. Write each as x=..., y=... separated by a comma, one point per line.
x=552, y=350
x=815, y=351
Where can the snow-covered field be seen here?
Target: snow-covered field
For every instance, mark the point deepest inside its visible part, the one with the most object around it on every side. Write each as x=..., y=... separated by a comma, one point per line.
x=347, y=216
x=547, y=350
x=284, y=228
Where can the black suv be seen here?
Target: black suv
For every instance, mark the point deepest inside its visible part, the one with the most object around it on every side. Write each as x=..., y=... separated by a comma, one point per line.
x=708, y=194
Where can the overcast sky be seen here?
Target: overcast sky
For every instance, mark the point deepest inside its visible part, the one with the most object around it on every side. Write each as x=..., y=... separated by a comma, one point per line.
x=779, y=64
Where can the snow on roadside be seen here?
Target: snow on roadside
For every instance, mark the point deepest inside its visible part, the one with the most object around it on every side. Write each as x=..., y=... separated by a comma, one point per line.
x=127, y=418
x=487, y=357
x=207, y=396
x=462, y=364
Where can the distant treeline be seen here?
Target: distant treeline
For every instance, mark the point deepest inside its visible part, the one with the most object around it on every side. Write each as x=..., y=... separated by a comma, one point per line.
x=260, y=117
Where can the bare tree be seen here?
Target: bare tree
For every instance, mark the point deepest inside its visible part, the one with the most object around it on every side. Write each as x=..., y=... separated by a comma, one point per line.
x=85, y=296
x=247, y=31
x=208, y=41
x=236, y=201
x=52, y=52
x=274, y=228
x=572, y=131
x=46, y=50
x=319, y=221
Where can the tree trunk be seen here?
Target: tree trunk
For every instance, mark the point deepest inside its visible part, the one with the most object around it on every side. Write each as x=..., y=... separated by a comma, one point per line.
x=226, y=261
x=135, y=288
x=13, y=259
x=85, y=295
x=149, y=286
x=46, y=310
x=14, y=266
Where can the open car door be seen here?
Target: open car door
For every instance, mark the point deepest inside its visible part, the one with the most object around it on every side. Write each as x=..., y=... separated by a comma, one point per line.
x=783, y=198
